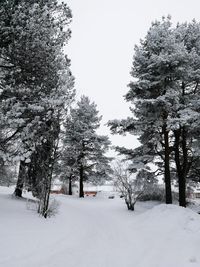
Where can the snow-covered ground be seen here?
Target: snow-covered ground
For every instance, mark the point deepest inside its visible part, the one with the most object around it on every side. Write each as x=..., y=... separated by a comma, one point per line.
x=97, y=232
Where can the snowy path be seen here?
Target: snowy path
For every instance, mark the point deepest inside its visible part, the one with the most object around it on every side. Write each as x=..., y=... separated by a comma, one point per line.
x=98, y=232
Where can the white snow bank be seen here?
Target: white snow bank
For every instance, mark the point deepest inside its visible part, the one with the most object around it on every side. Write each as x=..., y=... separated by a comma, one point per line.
x=170, y=237
x=98, y=232
x=171, y=215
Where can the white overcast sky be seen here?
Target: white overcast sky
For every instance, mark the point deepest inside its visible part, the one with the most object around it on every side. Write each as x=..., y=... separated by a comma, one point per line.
x=104, y=33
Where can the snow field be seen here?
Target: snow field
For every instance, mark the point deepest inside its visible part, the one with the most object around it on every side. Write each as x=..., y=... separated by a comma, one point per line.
x=98, y=232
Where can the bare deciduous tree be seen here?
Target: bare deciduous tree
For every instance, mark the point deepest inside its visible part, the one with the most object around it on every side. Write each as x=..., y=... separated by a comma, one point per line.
x=128, y=184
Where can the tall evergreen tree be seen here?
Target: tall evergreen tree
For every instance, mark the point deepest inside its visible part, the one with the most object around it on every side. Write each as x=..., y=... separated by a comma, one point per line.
x=36, y=32
x=148, y=94
x=165, y=94
x=36, y=80
x=88, y=147
x=184, y=121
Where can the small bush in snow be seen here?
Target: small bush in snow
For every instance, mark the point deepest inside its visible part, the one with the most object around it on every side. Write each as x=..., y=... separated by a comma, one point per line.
x=138, y=185
x=32, y=204
x=154, y=193
x=52, y=210
x=128, y=185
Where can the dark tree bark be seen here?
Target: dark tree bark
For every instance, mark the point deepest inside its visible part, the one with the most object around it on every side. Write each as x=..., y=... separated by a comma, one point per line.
x=181, y=167
x=47, y=196
x=168, y=191
x=44, y=177
x=81, y=192
x=41, y=167
x=21, y=179
x=70, y=185
x=185, y=169
x=181, y=158
x=130, y=206
x=49, y=150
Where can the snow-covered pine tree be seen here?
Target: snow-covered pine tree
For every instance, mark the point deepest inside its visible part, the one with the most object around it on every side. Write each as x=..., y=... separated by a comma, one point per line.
x=37, y=31
x=38, y=83
x=88, y=147
x=185, y=118
x=148, y=93
x=165, y=95
x=66, y=167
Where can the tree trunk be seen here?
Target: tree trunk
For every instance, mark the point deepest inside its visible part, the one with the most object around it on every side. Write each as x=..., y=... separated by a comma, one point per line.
x=185, y=169
x=81, y=192
x=21, y=179
x=181, y=168
x=182, y=191
x=168, y=191
x=129, y=202
x=46, y=198
x=70, y=185
x=51, y=149
x=130, y=206
x=46, y=154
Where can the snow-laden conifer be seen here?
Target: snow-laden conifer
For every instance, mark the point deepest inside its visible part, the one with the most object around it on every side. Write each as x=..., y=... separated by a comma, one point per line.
x=83, y=146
